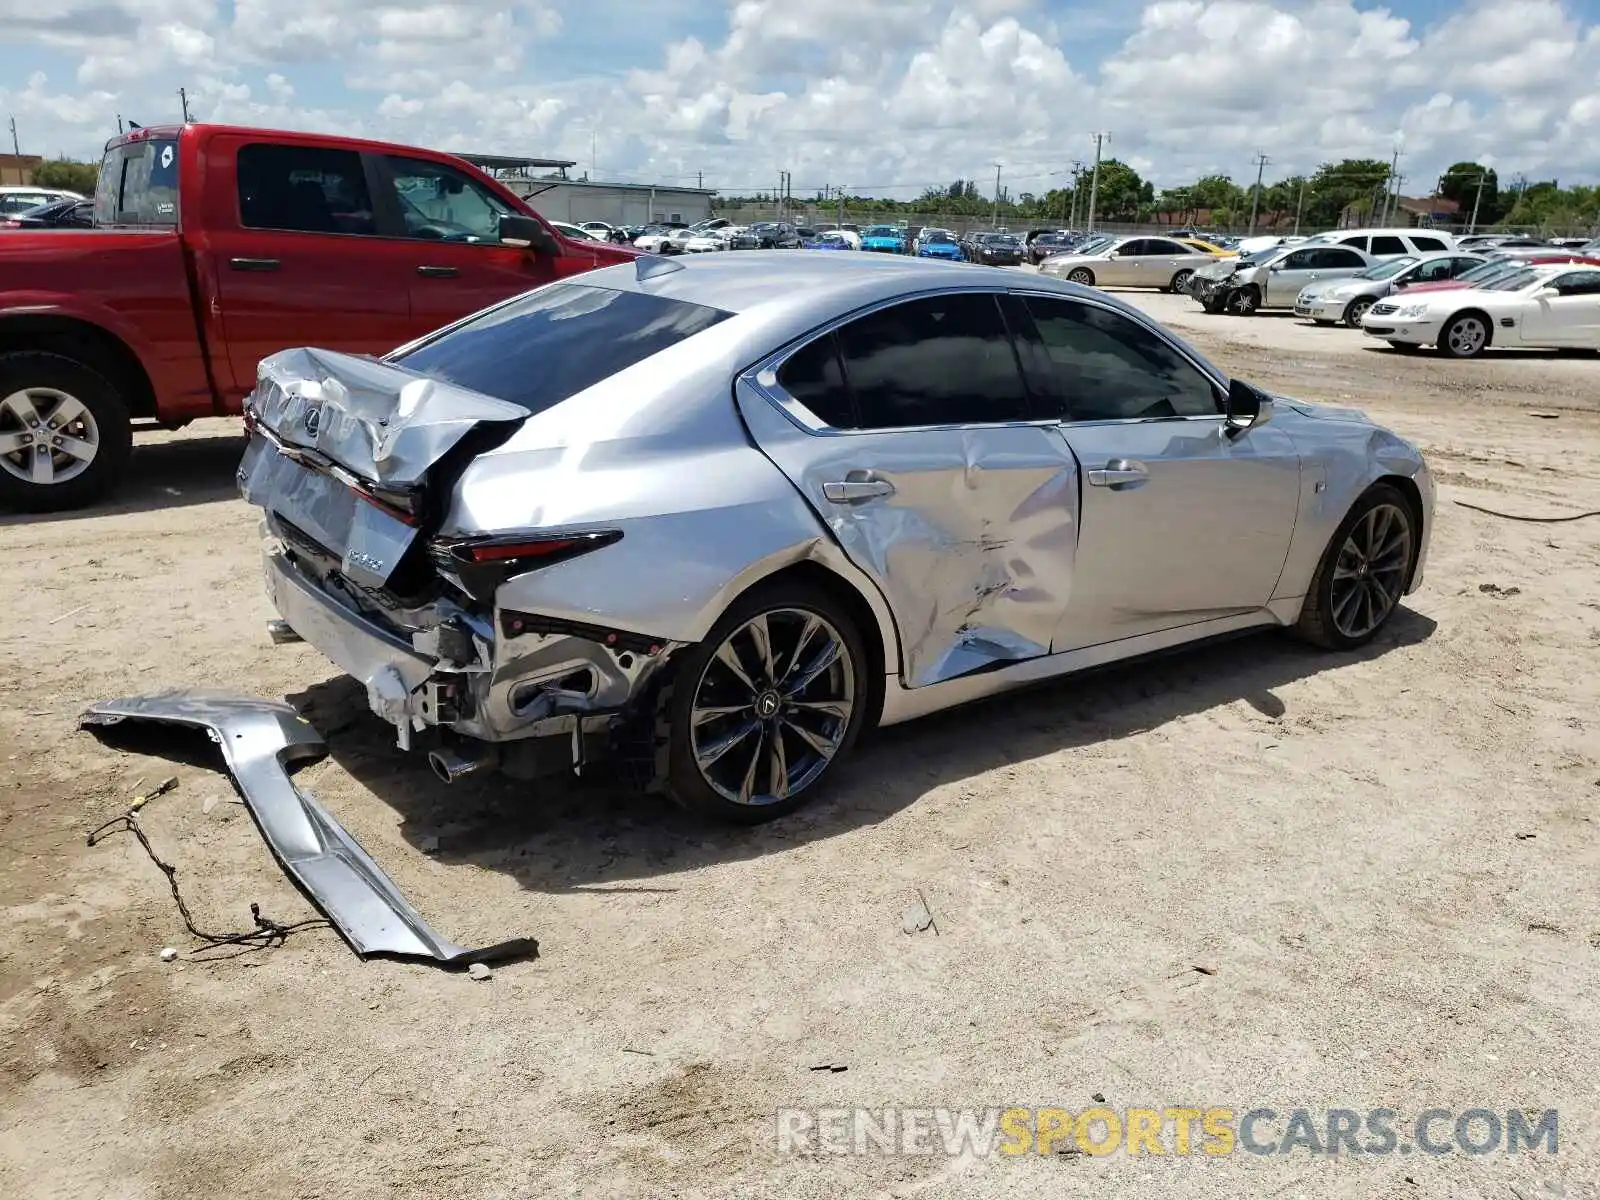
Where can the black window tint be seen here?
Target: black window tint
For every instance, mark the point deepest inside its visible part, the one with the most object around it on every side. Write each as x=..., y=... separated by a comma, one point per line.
x=1427, y=243
x=1136, y=248
x=1359, y=243
x=1335, y=257
x=551, y=344
x=945, y=360
x=303, y=189
x=1160, y=246
x=1104, y=366
x=1578, y=283
x=1391, y=245
x=814, y=376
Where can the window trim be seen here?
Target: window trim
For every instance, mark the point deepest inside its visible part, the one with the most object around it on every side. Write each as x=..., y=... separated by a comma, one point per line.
x=762, y=376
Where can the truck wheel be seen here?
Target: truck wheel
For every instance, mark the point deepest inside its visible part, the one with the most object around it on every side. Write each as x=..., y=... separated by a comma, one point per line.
x=64, y=433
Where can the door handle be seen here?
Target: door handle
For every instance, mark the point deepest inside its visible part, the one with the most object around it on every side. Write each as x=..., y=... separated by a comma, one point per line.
x=438, y=272
x=857, y=487
x=254, y=264
x=1119, y=472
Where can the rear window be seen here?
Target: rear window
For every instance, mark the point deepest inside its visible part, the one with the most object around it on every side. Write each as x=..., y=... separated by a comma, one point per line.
x=552, y=344
x=139, y=185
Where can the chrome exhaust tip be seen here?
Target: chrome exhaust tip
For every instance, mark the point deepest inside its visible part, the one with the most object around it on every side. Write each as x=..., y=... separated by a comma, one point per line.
x=282, y=633
x=450, y=766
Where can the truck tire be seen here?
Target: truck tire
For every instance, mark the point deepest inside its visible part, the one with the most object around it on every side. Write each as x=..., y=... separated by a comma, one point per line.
x=64, y=433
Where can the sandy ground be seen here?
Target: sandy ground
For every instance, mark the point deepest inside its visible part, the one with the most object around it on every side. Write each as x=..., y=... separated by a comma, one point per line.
x=1388, y=863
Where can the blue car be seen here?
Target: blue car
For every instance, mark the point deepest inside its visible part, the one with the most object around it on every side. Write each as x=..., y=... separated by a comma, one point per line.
x=939, y=245
x=885, y=239
x=827, y=241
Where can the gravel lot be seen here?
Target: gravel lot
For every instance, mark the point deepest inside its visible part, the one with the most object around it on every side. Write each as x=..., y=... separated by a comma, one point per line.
x=1388, y=864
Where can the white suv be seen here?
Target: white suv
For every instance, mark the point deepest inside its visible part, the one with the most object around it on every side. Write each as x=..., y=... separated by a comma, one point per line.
x=1386, y=243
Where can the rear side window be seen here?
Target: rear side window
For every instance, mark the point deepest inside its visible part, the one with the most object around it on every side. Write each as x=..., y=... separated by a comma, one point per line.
x=1393, y=245
x=139, y=185
x=814, y=376
x=1359, y=242
x=1335, y=257
x=1423, y=242
x=943, y=360
x=544, y=347
x=303, y=189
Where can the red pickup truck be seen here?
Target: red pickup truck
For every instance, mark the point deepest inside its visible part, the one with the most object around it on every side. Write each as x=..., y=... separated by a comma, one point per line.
x=216, y=246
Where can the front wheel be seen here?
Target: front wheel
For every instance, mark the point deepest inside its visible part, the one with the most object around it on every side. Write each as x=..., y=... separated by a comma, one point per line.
x=760, y=710
x=64, y=433
x=1363, y=572
x=1465, y=336
x=1243, y=302
x=1356, y=310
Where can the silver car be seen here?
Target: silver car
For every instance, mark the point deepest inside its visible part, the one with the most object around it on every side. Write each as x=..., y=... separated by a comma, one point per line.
x=1152, y=262
x=1273, y=279
x=1347, y=300
x=721, y=514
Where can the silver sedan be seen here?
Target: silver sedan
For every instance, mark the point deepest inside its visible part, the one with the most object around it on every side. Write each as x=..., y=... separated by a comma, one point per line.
x=722, y=514
x=1153, y=262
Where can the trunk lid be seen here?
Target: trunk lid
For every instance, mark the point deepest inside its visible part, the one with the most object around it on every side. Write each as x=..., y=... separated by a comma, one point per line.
x=353, y=459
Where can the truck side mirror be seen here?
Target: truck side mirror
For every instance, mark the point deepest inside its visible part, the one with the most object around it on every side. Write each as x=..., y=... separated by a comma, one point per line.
x=518, y=230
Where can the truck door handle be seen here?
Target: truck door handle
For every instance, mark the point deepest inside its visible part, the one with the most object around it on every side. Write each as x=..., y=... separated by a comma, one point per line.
x=254, y=264
x=438, y=272
x=1119, y=472
x=857, y=486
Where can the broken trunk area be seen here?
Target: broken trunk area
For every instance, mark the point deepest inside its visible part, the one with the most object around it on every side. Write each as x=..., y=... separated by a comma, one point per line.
x=259, y=740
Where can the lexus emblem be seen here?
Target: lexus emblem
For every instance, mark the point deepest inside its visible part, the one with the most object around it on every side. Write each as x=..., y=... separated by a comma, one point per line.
x=313, y=420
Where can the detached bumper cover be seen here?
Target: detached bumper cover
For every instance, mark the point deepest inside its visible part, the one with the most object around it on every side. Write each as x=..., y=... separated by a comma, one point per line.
x=258, y=740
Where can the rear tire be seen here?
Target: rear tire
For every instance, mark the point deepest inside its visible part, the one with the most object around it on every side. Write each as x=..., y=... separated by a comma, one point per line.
x=1180, y=281
x=737, y=720
x=65, y=435
x=1364, y=571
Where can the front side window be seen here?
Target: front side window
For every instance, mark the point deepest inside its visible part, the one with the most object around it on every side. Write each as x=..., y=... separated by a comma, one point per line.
x=303, y=189
x=1301, y=260
x=1578, y=283
x=1435, y=270
x=439, y=203
x=549, y=345
x=943, y=360
x=1105, y=367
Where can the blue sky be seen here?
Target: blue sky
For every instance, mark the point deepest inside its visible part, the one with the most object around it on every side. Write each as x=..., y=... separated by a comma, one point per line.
x=892, y=96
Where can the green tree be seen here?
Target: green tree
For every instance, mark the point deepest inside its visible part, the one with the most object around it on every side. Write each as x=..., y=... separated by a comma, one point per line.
x=1460, y=183
x=1338, y=185
x=65, y=173
x=1120, y=193
x=1217, y=191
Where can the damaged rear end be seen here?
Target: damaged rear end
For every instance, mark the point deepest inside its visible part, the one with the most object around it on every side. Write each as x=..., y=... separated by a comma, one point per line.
x=356, y=464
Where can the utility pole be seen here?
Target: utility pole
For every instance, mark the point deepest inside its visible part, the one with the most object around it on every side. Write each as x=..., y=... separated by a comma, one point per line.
x=1094, y=182
x=995, y=220
x=1477, y=199
x=841, y=206
x=1261, y=161
x=1300, y=206
x=700, y=180
x=16, y=149
x=1394, y=167
x=120, y=129
x=183, y=98
x=1077, y=175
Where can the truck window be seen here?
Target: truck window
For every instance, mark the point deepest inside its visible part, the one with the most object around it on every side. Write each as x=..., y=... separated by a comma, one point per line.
x=303, y=189
x=138, y=184
x=439, y=203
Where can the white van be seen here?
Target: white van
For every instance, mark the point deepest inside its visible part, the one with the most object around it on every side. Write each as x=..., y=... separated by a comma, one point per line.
x=1387, y=243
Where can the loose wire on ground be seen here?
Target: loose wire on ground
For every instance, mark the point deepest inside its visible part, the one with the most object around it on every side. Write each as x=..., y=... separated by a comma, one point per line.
x=1532, y=520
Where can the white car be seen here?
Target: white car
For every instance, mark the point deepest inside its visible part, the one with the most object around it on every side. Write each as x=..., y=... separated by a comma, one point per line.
x=576, y=232
x=1548, y=307
x=708, y=241
x=665, y=241
x=15, y=199
x=598, y=230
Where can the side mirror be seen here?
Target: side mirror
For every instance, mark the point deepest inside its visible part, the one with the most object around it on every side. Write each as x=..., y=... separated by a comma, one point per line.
x=518, y=230
x=1247, y=408
x=1547, y=293
x=1115, y=254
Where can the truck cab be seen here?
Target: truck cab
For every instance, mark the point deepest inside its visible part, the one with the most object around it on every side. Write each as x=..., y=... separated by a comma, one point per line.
x=215, y=246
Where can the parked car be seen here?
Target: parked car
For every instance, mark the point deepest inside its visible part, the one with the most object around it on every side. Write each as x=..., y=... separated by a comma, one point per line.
x=212, y=250
x=576, y=232
x=600, y=231
x=851, y=233
x=1248, y=283
x=1215, y=249
x=767, y=235
x=659, y=239
x=883, y=239
x=806, y=234
x=1347, y=300
x=830, y=239
x=1000, y=250
x=939, y=243
x=1152, y=262
x=1554, y=307
x=1494, y=269
x=1047, y=244
x=55, y=214
x=708, y=241
x=609, y=511
x=1387, y=243
x=21, y=197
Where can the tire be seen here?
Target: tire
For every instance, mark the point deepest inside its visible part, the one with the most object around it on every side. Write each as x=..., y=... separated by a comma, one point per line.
x=1081, y=276
x=1404, y=347
x=1465, y=335
x=36, y=387
x=1328, y=620
x=1242, y=302
x=1357, y=309
x=727, y=789
x=1180, y=281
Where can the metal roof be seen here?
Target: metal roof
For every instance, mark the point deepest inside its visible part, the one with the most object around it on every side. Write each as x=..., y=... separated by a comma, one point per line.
x=499, y=162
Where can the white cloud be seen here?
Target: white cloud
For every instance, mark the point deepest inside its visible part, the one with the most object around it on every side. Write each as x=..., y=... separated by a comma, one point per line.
x=903, y=92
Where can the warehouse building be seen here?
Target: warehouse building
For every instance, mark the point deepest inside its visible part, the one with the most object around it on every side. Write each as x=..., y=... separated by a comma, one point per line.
x=557, y=197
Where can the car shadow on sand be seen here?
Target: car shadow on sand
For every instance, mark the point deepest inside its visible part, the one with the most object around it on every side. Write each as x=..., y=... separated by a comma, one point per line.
x=565, y=834
x=168, y=474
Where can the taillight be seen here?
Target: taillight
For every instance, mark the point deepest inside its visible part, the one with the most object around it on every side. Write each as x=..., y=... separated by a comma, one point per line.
x=484, y=563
